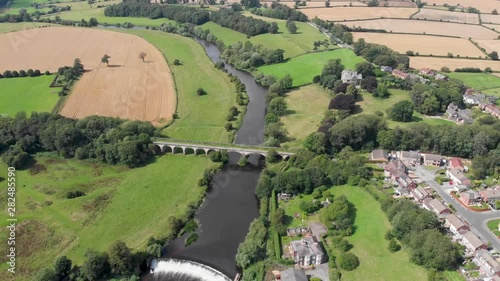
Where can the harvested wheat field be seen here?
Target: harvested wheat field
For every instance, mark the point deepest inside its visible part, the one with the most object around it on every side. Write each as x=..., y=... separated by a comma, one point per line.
x=437, y=63
x=489, y=45
x=446, y=16
x=316, y=4
x=493, y=26
x=428, y=27
x=129, y=88
x=495, y=19
x=358, y=13
x=485, y=6
x=423, y=44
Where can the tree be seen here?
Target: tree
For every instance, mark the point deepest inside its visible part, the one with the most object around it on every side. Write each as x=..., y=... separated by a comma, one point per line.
x=327, y=3
x=273, y=28
x=62, y=266
x=154, y=250
x=201, y=92
x=495, y=12
x=272, y=156
x=342, y=102
x=351, y=90
x=96, y=265
x=402, y=111
x=105, y=59
x=291, y=26
x=120, y=258
x=373, y=3
x=142, y=56
x=369, y=83
x=393, y=246
x=16, y=157
x=348, y=261
x=46, y=274
x=430, y=106
x=177, y=62
x=365, y=68
x=494, y=55
x=316, y=142
x=382, y=91
x=277, y=106
x=250, y=3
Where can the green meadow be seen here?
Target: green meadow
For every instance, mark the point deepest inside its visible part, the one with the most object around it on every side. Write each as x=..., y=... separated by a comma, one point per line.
x=478, y=81
x=28, y=94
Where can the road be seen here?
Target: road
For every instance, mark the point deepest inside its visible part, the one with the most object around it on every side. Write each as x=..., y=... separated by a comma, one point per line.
x=476, y=220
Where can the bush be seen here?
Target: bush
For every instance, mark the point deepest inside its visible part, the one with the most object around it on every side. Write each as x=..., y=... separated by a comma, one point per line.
x=177, y=62
x=348, y=261
x=75, y=194
x=22, y=73
x=394, y=246
x=201, y=92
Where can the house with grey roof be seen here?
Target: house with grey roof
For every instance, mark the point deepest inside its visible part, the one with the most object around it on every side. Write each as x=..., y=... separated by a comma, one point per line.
x=458, y=115
x=472, y=242
x=419, y=194
x=487, y=264
x=351, y=77
x=379, y=155
x=437, y=207
x=458, y=177
x=456, y=225
x=292, y=274
x=440, y=76
x=307, y=252
x=409, y=157
x=432, y=159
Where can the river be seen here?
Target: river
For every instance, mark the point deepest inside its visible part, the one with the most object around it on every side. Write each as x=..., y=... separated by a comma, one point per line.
x=230, y=204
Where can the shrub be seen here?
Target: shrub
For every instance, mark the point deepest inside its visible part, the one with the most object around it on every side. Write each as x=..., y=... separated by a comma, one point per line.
x=348, y=261
x=201, y=92
x=177, y=62
x=394, y=246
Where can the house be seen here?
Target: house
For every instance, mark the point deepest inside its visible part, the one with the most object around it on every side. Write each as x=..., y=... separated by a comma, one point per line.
x=386, y=68
x=458, y=177
x=400, y=74
x=436, y=206
x=460, y=188
x=379, y=155
x=419, y=194
x=401, y=191
x=470, y=197
x=456, y=225
x=394, y=167
x=351, y=77
x=486, y=263
x=418, y=78
x=493, y=110
x=432, y=159
x=456, y=164
x=306, y=252
x=402, y=180
x=472, y=98
x=292, y=274
x=472, y=242
x=409, y=157
x=427, y=71
x=459, y=115
x=440, y=76
x=490, y=195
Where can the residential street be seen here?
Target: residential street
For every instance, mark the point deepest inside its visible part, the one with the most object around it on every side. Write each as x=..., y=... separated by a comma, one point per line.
x=477, y=220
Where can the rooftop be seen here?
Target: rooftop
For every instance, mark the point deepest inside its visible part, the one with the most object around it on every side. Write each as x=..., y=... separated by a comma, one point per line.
x=473, y=240
x=307, y=246
x=437, y=205
x=455, y=221
x=293, y=274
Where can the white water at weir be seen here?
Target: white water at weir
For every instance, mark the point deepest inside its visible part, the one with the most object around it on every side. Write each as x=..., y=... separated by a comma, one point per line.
x=183, y=268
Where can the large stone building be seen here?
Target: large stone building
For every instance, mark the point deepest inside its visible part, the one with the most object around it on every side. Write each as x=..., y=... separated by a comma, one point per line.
x=306, y=252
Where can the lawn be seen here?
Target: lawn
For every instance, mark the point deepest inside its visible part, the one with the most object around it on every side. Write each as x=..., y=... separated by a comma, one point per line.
x=9, y=27
x=376, y=262
x=303, y=68
x=120, y=204
x=493, y=92
x=493, y=226
x=478, y=81
x=29, y=94
x=297, y=217
x=201, y=118
x=453, y=276
x=306, y=106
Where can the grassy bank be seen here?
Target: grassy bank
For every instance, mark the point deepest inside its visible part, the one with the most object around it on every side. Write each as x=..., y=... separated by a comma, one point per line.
x=120, y=204
x=201, y=118
x=306, y=106
x=29, y=94
x=303, y=68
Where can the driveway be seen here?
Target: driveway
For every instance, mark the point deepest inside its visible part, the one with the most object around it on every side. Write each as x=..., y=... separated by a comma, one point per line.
x=476, y=220
x=321, y=271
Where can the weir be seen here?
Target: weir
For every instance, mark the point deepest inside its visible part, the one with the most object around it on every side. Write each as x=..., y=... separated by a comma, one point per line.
x=183, y=270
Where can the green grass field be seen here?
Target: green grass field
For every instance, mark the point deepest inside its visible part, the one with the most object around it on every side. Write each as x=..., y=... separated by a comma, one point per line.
x=29, y=94
x=453, y=276
x=201, y=118
x=306, y=106
x=493, y=226
x=120, y=204
x=10, y=27
x=478, y=81
x=303, y=68
x=376, y=262
x=292, y=44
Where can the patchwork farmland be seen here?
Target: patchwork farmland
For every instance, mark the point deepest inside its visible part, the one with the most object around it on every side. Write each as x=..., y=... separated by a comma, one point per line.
x=485, y=6
x=438, y=63
x=447, y=16
x=358, y=13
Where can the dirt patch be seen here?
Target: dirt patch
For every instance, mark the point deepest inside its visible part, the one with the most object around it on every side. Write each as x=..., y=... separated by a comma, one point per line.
x=129, y=88
x=437, y=63
x=446, y=16
x=427, y=27
x=489, y=45
x=37, y=168
x=423, y=44
x=358, y=13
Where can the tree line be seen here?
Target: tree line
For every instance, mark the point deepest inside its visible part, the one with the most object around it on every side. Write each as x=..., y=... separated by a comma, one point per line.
x=22, y=73
x=280, y=11
x=140, y=8
x=238, y=22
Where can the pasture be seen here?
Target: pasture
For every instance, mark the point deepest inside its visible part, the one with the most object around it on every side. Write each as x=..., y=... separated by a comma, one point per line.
x=28, y=94
x=427, y=27
x=478, y=81
x=485, y=6
x=437, y=63
x=128, y=88
x=447, y=16
x=27, y=27
x=488, y=18
x=376, y=262
x=358, y=13
x=201, y=118
x=434, y=45
x=119, y=204
x=303, y=68
x=306, y=108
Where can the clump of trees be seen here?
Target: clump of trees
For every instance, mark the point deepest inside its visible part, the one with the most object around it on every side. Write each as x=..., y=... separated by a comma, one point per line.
x=280, y=11
x=402, y=111
x=253, y=248
x=380, y=55
x=236, y=21
x=21, y=73
x=431, y=99
x=67, y=75
x=274, y=132
x=249, y=56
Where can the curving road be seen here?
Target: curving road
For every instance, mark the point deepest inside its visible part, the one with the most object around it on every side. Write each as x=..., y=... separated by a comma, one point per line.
x=476, y=220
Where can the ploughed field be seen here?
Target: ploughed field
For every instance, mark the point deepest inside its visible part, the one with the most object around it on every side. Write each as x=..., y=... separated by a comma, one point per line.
x=128, y=88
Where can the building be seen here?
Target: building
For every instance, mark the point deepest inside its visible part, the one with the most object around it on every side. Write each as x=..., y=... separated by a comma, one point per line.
x=386, y=68
x=351, y=77
x=402, y=180
x=292, y=274
x=409, y=158
x=456, y=225
x=493, y=110
x=458, y=115
x=456, y=164
x=306, y=252
x=440, y=76
x=458, y=177
x=419, y=194
x=427, y=71
x=486, y=263
x=400, y=74
x=436, y=206
x=432, y=159
x=418, y=78
x=472, y=98
x=470, y=197
x=298, y=231
x=379, y=155
x=490, y=195
x=394, y=167
x=472, y=242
